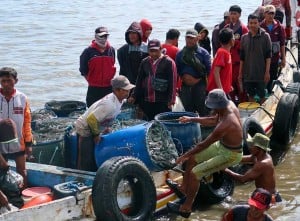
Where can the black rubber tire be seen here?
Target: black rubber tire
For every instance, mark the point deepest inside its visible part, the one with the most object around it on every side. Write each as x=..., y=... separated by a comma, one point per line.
x=293, y=88
x=298, y=38
x=104, y=191
x=296, y=75
x=216, y=191
x=286, y=119
x=250, y=126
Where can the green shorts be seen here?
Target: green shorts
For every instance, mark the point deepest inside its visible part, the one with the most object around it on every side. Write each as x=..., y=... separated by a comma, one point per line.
x=215, y=158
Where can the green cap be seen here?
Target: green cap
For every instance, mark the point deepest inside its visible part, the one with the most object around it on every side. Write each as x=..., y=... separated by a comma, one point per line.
x=259, y=140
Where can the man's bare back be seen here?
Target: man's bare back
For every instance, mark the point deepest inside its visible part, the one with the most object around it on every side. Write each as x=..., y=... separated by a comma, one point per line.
x=265, y=172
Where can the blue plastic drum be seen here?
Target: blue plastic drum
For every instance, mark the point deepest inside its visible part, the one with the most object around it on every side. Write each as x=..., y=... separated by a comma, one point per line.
x=134, y=141
x=187, y=133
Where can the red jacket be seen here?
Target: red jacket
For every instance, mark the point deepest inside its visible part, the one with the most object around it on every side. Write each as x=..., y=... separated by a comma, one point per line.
x=98, y=68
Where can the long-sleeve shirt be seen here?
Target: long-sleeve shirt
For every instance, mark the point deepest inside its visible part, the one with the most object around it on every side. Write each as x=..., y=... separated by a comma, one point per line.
x=163, y=68
x=17, y=108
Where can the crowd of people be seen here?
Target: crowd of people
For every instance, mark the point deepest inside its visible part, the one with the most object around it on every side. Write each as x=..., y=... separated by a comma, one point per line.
x=210, y=76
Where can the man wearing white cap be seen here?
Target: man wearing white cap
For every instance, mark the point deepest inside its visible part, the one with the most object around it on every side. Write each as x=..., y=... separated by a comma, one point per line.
x=193, y=66
x=97, y=66
x=283, y=7
x=277, y=34
x=97, y=119
x=215, y=34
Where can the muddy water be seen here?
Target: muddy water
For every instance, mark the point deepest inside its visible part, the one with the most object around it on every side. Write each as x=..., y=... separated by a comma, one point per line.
x=287, y=177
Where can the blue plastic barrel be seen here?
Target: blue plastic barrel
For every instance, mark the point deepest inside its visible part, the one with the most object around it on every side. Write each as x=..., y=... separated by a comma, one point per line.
x=187, y=133
x=130, y=141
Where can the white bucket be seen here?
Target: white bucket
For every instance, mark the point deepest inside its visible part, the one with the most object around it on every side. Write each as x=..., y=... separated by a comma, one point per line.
x=247, y=108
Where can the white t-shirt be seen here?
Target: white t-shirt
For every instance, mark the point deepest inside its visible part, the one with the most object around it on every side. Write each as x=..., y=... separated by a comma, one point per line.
x=105, y=111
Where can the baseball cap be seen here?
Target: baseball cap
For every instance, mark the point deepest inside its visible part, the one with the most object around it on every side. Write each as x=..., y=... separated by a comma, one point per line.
x=270, y=8
x=191, y=33
x=121, y=82
x=226, y=14
x=8, y=71
x=260, y=198
x=101, y=31
x=154, y=44
x=259, y=140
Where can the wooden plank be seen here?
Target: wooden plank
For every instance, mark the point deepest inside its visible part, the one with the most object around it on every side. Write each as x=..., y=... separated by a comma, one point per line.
x=62, y=209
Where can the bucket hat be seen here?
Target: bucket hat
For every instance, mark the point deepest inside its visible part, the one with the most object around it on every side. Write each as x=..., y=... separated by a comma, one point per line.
x=259, y=140
x=216, y=99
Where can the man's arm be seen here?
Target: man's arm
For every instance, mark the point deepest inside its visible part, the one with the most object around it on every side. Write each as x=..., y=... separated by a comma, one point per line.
x=206, y=121
x=3, y=200
x=288, y=13
x=250, y=175
x=217, y=77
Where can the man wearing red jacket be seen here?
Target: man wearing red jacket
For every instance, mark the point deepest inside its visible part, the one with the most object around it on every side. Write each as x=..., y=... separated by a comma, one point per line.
x=283, y=7
x=97, y=65
x=276, y=31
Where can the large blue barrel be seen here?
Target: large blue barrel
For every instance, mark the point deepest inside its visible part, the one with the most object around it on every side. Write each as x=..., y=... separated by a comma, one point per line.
x=131, y=141
x=187, y=133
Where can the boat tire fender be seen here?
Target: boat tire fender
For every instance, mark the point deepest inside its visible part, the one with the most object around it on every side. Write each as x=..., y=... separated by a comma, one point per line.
x=250, y=127
x=286, y=119
x=105, y=188
x=216, y=191
x=293, y=88
x=296, y=74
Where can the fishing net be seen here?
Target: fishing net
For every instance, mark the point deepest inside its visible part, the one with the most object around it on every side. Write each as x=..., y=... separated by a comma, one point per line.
x=53, y=129
x=128, y=112
x=121, y=124
x=48, y=136
x=161, y=147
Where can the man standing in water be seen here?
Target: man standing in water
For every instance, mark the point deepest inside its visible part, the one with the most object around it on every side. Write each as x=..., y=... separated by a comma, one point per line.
x=258, y=204
x=263, y=171
x=221, y=149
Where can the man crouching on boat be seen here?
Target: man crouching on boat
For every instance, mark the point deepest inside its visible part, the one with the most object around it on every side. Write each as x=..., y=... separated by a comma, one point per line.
x=97, y=119
x=221, y=149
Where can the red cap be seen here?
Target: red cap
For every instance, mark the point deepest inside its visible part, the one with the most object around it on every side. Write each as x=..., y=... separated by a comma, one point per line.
x=260, y=198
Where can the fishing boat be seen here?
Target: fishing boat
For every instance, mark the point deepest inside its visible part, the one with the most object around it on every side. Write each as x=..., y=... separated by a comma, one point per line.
x=129, y=184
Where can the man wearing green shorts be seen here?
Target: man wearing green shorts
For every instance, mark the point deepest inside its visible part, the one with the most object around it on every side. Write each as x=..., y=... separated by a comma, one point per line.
x=221, y=149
